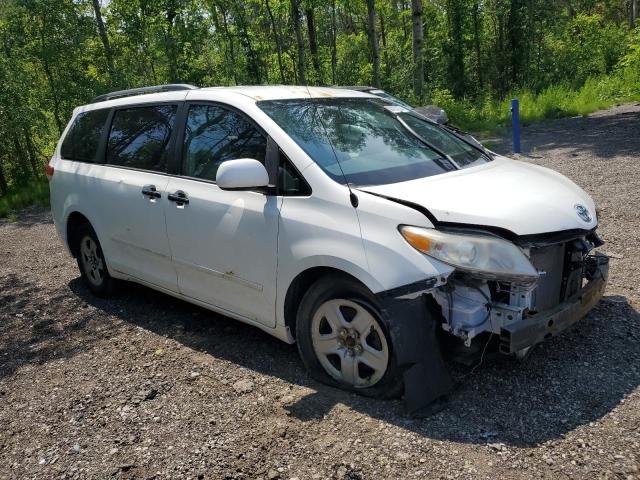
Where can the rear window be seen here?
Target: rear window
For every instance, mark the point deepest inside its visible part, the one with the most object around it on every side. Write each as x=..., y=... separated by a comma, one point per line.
x=81, y=142
x=139, y=137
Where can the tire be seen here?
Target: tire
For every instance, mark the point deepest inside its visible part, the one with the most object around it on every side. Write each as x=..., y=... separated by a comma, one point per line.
x=91, y=262
x=358, y=355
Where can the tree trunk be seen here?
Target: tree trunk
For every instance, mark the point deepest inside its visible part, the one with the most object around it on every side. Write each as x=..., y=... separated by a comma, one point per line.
x=3, y=180
x=634, y=13
x=570, y=10
x=276, y=37
x=476, y=43
x=334, y=47
x=105, y=41
x=373, y=41
x=31, y=150
x=22, y=161
x=253, y=67
x=517, y=41
x=295, y=15
x=313, y=44
x=171, y=49
x=230, y=50
x=418, y=40
x=456, y=47
x=385, y=54
x=49, y=75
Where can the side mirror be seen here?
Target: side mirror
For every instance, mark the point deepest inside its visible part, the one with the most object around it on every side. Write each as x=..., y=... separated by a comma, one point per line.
x=242, y=174
x=434, y=113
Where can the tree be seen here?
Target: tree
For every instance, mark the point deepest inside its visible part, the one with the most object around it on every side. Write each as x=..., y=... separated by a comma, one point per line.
x=373, y=41
x=295, y=15
x=313, y=43
x=58, y=54
x=102, y=31
x=418, y=36
x=456, y=75
x=276, y=39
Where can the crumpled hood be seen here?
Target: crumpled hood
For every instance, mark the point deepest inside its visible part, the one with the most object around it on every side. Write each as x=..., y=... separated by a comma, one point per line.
x=517, y=196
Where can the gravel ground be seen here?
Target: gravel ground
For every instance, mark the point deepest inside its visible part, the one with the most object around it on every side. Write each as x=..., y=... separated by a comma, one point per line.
x=146, y=386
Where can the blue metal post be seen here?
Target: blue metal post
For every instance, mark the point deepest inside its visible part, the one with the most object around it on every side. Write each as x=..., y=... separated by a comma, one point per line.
x=515, y=120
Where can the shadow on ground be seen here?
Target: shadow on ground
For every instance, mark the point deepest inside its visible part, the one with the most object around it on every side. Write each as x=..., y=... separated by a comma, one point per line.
x=569, y=381
x=605, y=135
x=46, y=338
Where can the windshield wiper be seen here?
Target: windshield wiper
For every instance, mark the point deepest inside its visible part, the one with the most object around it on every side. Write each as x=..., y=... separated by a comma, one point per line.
x=456, y=132
x=459, y=134
x=395, y=114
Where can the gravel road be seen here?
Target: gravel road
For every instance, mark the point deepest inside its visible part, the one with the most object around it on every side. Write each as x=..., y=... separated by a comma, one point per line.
x=146, y=386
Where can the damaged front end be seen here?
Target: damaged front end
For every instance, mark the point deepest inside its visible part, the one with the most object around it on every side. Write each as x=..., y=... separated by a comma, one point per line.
x=519, y=291
x=570, y=281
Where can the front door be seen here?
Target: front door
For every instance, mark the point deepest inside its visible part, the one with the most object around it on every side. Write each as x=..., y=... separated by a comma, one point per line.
x=224, y=243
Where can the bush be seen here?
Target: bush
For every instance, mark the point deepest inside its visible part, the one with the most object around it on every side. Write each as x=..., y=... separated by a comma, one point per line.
x=36, y=193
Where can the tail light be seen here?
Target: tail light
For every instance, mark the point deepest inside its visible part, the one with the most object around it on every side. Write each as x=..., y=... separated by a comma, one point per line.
x=49, y=169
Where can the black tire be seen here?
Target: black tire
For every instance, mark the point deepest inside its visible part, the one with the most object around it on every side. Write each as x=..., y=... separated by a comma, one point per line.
x=334, y=287
x=93, y=267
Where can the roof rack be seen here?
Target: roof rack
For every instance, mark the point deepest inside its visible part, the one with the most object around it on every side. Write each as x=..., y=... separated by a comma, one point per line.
x=171, y=87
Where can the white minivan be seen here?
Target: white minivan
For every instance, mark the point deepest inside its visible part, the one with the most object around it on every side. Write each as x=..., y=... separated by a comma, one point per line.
x=359, y=229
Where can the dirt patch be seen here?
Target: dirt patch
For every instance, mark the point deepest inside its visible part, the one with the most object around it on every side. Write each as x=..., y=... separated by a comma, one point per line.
x=146, y=386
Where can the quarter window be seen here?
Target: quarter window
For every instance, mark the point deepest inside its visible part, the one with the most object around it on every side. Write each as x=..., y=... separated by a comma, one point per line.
x=213, y=135
x=81, y=142
x=290, y=182
x=139, y=137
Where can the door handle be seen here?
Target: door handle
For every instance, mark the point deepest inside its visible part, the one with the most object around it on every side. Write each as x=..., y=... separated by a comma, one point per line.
x=150, y=191
x=179, y=197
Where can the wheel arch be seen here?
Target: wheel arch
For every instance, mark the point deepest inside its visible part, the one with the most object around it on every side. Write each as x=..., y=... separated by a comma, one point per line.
x=74, y=221
x=301, y=283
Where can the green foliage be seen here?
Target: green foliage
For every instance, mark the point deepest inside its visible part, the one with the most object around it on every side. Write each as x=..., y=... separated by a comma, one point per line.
x=36, y=193
x=490, y=116
x=559, y=58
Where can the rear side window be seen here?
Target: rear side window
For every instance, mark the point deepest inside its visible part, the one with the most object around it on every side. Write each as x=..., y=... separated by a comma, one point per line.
x=81, y=142
x=139, y=137
x=214, y=135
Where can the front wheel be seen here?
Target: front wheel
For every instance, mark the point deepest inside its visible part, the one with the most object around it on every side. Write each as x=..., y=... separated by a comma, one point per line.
x=342, y=340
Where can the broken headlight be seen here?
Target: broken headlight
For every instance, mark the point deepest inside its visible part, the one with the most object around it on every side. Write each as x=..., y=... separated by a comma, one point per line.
x=482, y=256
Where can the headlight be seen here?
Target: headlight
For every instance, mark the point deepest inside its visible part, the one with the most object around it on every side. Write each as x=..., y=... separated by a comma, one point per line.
x=483, y=256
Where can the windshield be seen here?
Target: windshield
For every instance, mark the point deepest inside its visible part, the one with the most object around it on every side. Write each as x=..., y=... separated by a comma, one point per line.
x=355, y=140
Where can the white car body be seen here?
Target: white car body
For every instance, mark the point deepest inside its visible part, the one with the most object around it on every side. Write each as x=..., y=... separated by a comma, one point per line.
x=238, y=252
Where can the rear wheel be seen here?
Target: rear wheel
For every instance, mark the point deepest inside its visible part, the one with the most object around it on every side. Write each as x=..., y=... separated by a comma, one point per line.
x=343, y=341
x=91, y=262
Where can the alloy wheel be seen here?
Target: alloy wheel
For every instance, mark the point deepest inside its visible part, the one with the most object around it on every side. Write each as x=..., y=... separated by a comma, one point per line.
x=349, y=343
x=91, y=260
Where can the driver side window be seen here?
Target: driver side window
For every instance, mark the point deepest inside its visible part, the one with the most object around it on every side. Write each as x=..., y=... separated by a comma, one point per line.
x=214, y=135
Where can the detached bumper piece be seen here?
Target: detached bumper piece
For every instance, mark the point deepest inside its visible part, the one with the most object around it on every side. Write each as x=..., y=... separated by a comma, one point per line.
x=413, y=332
x=537, y=328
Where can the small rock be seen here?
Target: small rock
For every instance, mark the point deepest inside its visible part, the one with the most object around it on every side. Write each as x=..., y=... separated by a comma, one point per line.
x=243, y=386
x=273, y=474
x=287, y=399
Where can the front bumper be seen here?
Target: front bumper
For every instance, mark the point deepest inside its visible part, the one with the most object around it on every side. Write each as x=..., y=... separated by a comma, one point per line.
x=532, y=330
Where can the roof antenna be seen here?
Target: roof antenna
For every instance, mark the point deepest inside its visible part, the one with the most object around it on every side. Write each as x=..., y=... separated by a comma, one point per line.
x=352, y=196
